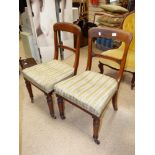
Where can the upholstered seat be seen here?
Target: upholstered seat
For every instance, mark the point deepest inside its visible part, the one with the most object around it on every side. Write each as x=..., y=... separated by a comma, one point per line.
x=90, y=90
x=45, y=75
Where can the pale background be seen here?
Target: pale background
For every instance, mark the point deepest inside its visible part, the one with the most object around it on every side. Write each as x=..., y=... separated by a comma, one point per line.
x=46, y=19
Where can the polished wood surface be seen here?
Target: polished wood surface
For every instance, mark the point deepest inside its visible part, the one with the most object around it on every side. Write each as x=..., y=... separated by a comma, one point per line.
x=50, y=104
x=29, y=88
x=60, y=102
x=96, y=126
x=76, y=31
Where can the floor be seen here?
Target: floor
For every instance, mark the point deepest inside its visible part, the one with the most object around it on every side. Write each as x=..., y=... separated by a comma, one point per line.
x=42, y=135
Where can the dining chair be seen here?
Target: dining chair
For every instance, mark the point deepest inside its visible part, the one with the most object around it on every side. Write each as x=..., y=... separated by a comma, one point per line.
x=90, y=90
x=45, y=75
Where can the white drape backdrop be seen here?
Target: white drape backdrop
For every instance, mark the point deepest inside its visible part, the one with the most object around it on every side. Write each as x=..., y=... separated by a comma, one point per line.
x=44, y=16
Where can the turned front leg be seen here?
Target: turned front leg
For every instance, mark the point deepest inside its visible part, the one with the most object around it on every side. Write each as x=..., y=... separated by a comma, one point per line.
x=29, y=88
x=96, y=126
x=50, y=105
x=61, y=106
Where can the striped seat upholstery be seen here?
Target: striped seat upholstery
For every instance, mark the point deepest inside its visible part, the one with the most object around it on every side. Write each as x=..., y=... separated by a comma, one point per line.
x=90, y=90
x=46, y=75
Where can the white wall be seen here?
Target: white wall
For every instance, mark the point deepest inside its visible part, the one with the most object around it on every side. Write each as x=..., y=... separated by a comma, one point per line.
x=45, y=19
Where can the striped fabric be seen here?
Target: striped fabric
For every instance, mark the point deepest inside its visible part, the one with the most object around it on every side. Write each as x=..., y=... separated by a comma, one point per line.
x=90, y=90
x=46, y=75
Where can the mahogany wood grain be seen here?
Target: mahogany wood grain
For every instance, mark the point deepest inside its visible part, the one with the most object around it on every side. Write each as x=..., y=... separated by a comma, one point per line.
x=29, y=88
x=76, y=31
x=61, y=106
x=96, y=126
x=50, y=104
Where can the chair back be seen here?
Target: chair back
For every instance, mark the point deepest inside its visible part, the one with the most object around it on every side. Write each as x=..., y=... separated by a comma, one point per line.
x=110, y=33
x=76, y=31
x=129, y=26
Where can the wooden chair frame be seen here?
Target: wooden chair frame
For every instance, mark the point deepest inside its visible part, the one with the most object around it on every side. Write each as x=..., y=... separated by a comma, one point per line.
x=95, y=33
x=58, y=27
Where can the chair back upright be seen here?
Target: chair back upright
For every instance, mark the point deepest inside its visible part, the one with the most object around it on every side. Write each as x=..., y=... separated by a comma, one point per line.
x=76, y=31
x=110, y=33
x=129, y=26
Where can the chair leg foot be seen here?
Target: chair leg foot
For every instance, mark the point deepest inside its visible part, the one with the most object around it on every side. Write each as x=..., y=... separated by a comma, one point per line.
x=96, y=141
x=96, y=126
x=50, y=105
x=53, y=115
x=101, y=68
x=61, y=106
x=29, y=88
x=114, y=101
x=133, y=81
x=62, y=117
